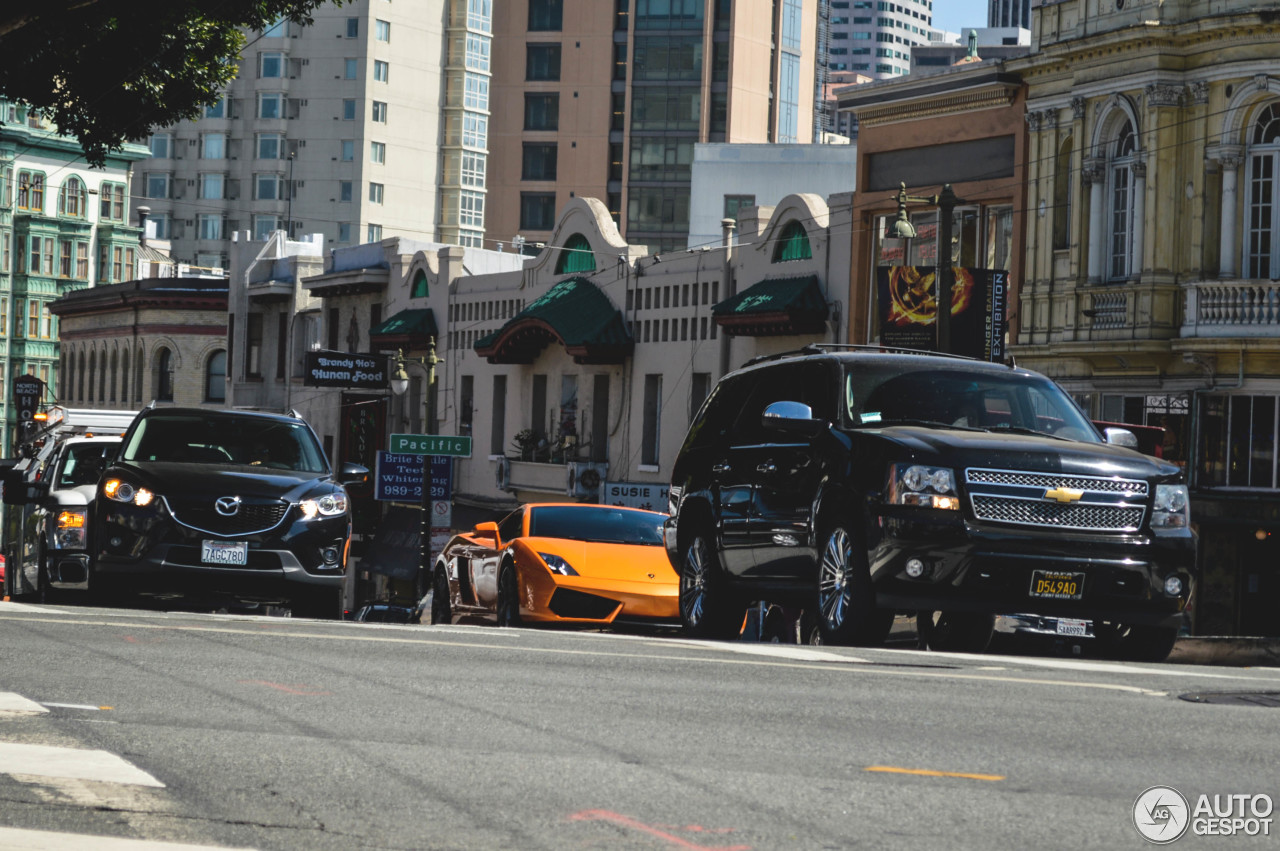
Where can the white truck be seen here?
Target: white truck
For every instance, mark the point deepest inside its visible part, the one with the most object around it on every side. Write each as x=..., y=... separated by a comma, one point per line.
x=48, y=495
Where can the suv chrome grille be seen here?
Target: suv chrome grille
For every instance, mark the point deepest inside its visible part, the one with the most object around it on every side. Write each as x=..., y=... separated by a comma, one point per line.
x=1086, y=503
x=251, y=518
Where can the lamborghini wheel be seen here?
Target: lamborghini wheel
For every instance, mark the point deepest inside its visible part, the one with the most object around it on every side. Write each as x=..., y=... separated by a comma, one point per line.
x=508, y=595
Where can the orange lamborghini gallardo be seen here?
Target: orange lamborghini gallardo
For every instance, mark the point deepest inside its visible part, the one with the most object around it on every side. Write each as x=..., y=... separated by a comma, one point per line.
x=568, y=563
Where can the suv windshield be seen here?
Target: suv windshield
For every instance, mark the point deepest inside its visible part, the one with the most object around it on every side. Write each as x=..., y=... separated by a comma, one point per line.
x=84, y=463
x=958, y=399
x=221, y=439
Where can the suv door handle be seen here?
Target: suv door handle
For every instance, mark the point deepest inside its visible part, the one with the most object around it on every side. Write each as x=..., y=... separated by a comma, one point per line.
x=767, y=467
x=721, y=468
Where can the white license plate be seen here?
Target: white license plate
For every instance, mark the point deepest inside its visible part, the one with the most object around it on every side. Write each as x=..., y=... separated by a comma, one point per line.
x=224, y=552
x=1071, y=627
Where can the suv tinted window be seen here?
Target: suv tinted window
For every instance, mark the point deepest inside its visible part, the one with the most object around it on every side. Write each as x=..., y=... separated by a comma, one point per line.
x=807, y=383
x=712, y=422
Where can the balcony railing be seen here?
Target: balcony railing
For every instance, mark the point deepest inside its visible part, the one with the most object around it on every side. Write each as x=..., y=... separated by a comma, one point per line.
x=1232, y=309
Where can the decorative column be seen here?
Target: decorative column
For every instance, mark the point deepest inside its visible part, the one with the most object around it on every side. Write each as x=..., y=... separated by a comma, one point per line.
x=1094, y=171
x=1139, y=219
x=1228, y=241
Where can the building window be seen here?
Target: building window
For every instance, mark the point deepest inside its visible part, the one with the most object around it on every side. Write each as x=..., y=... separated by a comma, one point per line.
x=267, y=187
x=253, y=346
x=537, y=210
x=65, y=264
x=380, y=112
x=213, y=146
x=210, y=225
x=375, y=193
x=164, y=375
x=471, y=209
x=111, y=202
x=734, y=203
x=345, y=190
x=546, y=15
x=349, y=108
x=213, y=186
x=793, y=244
x=350, y=69
x=475, y=94
x=344, y=231
x=1262, y=250
x=71, y=198
x=382, y=30
x=374, y=233
x=33, y=319
x=157, y=185
x=269, y=65
x=1062, y=198
x=651, y=435
x=542, y=111
x=1237, y=442
x=348, y=150
x=1120, y=179
x=475, y=130
x=477, y=52
x=378, y=152
x=82, y=260
x=576, y=256
x=215, y=377
x=353, y=27
x=270, y=104
x=473, y=169
x=539, y=162
x=161, y=145
x=480, y=15
x=270, y=146
x=542, y=62
x=264, y=226
x=31, y=191
x=381, y=71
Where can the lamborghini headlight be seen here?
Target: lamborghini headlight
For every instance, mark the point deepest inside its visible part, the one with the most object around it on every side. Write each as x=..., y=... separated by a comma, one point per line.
x=329, y=505
x=558, y=565
x=927, y=487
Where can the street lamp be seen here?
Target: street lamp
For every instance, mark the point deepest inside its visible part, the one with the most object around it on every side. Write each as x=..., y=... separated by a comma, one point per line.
x=901, y=228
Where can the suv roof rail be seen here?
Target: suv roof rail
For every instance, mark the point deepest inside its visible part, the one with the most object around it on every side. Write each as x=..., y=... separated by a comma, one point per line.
x=822, y=348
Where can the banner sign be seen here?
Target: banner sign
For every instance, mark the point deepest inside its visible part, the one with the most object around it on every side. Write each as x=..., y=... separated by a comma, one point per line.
x=28, y=391
x=398, y=477
x=336, y=369
x=907, y=297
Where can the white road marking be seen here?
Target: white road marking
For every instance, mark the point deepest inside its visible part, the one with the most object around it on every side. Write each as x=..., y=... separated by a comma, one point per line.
x=16, y=839
x=802, y=653
x=19, y=705
x=76, y=706
x=47, y=761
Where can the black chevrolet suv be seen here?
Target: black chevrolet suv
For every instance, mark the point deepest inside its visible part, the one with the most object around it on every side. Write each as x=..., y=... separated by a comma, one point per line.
x=232, y=503
x=859, y=484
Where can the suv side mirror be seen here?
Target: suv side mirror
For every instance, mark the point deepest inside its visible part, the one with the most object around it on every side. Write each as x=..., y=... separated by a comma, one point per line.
x=19, y=491
x=1121, y=437
x=489, y=530
x=354, y=474
x=795, y=417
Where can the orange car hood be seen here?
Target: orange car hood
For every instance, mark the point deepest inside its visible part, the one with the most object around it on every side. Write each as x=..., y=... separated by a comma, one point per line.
x=630, y=562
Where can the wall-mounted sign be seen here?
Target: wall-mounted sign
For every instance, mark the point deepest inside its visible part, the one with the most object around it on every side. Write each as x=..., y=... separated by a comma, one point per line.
x=337, y=369
x=651, y=496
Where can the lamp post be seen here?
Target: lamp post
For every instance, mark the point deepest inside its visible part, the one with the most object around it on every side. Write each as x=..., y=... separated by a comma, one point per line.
x=399, y=384
x=944, y=274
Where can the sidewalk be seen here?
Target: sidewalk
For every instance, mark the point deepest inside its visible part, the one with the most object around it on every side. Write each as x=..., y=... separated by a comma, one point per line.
x=1237, y=651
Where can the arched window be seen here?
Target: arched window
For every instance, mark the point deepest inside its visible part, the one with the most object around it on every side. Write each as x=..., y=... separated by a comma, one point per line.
x=102, y=379
x=793, y=244
x=1262, y=249
x=215, y=377
x=124, y=377
x=111, y=381
x=93, y=369
x=71, y=198
x=1120, y=182
x=164, y=375
x=80, y=378
x=66, y=376
x=1062, y=197
x=420, y=288
x=576, y=256
x=139, y=378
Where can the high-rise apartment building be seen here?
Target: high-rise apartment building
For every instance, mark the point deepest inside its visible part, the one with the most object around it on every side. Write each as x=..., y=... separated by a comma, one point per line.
x=875, y=37
x=607, y=101
x=336, y=128
x=1009, y=13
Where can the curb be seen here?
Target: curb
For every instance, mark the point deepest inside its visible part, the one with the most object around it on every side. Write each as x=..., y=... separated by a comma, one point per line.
x=1236, y=651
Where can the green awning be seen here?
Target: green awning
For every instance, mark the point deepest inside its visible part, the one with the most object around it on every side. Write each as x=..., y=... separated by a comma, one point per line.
x=773, y=307
x=408, y=329
x=574, y=313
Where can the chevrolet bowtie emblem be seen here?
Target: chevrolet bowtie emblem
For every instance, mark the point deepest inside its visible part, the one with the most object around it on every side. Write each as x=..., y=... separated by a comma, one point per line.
x=1063, y=494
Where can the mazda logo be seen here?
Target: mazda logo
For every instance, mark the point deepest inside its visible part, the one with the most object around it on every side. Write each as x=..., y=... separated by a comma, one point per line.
x=227, y=506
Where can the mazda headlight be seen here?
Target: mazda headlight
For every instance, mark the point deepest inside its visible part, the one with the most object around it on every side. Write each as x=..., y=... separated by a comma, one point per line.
x=1172, y=508
x=329, y=505
x=927, y=487
x=70, y=534
x=121, y=491
x=558, y=565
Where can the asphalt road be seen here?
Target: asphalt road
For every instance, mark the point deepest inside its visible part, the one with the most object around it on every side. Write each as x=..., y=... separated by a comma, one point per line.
x=277, y=733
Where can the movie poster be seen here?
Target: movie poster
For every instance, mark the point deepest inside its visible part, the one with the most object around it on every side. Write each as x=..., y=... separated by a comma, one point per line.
x=909, y=308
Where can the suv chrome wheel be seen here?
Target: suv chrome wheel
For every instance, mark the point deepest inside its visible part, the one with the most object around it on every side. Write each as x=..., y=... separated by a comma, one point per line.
x=707, y=609
x=847, y=612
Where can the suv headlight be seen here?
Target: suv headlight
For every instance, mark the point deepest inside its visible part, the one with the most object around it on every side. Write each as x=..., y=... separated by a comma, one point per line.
x=70, y=534
x=329, y=505
x=121, y=491
x=558, y=565
x=928, y=487
x=1172, y=508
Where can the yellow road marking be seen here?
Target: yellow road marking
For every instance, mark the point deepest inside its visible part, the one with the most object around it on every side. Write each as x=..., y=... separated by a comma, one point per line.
x=925, y=772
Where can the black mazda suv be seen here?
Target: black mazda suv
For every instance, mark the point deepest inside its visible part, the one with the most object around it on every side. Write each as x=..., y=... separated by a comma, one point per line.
x=860, y=484
x=235, y=503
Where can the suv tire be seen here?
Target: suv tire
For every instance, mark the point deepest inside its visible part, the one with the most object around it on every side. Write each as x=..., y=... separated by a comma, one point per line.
x=846, y=604
x=1137, y=642
x=708, y=609
x=955, y=632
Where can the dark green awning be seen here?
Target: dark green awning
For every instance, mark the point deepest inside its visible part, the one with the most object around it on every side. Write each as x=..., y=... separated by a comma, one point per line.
x=574, y=313
x=773, y=307
x=408, y=329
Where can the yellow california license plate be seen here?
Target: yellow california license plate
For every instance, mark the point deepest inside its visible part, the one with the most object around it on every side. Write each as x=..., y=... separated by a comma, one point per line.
x=1057, y=585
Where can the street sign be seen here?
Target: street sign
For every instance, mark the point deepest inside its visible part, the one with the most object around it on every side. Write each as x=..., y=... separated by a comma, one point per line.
x=441, y=515
x=398, y=477
x=28, y=390
x=432, y=444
